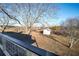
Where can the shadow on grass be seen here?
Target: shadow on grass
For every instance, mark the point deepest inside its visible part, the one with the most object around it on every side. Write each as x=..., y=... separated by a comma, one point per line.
x=58, y=41
x=23, y=37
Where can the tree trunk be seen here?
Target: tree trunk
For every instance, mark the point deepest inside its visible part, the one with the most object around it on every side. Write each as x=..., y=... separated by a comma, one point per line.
x=29, y=31
x=71, y=44
x=4, y=29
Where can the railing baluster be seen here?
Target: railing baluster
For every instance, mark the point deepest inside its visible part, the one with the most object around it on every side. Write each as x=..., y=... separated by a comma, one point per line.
x=4, y=44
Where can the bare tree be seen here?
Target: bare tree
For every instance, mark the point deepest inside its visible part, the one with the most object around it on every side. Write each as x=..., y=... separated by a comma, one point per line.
x=4, y=10
x=3, y=23
x=30, y=14
x=6, y=18
x=72, y=27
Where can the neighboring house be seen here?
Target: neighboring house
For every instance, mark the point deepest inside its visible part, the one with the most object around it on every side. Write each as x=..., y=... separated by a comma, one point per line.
x=46, y=31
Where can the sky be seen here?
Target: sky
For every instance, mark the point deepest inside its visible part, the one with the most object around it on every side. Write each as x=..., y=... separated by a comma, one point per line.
x=65, y=11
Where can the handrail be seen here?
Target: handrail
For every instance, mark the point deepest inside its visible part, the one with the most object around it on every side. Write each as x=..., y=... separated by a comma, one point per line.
x=31, y=48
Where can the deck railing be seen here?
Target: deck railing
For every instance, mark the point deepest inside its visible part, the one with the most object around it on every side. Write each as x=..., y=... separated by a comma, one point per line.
x=14, y=47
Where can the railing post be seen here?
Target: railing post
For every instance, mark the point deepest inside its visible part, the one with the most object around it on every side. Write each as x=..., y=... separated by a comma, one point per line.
x=4, y=46
x=1, y=43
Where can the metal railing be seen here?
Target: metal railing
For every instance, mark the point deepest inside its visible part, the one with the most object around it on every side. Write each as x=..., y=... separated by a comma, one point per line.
x=14, y=47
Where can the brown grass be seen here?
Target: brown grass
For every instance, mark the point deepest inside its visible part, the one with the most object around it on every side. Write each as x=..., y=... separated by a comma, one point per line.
x=58, y=44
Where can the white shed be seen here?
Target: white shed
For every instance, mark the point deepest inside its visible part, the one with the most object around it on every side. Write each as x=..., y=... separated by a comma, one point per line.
x=46, y=31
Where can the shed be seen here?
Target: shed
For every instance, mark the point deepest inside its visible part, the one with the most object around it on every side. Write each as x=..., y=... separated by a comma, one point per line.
x=46, y=31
